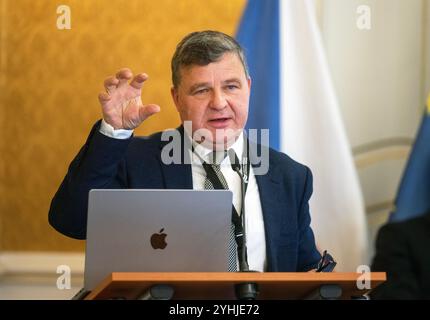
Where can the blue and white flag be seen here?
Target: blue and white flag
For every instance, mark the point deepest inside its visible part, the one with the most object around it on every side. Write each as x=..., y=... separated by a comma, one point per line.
x=293, y=96
x=413, y=196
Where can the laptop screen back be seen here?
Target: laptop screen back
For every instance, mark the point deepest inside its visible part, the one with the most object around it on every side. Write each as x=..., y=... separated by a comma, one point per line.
x=133, y=230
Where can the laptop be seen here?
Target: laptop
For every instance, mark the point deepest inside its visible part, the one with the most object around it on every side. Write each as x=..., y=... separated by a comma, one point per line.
x=135, y=230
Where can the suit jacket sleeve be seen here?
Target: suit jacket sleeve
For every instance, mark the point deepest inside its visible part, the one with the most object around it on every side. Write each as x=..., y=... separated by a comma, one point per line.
x=99, y=164
x=308, y=254
x=392, y=256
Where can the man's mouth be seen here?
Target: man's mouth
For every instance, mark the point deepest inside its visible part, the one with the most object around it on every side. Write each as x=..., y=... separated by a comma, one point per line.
x=219, y=122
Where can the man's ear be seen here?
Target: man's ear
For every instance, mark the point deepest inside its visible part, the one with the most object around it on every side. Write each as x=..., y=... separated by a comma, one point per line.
x=249, y=83
x=174, y=93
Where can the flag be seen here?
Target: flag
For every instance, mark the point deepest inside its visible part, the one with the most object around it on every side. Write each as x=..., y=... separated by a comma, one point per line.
x=303, y=116
x=259, y=35
x=413, y=196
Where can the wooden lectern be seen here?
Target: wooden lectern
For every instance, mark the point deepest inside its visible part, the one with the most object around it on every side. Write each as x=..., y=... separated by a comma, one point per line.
x=220, y=285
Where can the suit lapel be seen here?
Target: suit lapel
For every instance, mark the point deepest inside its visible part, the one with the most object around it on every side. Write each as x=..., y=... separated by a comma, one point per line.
x=177, y=176
x=269, y=189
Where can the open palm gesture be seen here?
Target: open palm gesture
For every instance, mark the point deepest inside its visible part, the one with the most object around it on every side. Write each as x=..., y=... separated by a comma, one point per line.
x=121, y=103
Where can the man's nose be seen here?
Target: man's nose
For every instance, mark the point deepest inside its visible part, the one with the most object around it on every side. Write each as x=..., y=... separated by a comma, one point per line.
x=218, y=100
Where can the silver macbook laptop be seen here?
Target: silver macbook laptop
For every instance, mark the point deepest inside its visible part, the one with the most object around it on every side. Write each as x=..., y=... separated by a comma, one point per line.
x=137, y=230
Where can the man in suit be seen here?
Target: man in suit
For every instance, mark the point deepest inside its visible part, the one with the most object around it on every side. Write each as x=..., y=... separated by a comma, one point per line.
x=211, y=89
x=402, y=250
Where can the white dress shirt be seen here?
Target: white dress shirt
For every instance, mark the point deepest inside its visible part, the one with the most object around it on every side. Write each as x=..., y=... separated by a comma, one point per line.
x=256, y=243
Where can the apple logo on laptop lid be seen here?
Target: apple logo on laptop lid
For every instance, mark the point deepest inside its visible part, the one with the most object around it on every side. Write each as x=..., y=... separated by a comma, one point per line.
x=158, y=240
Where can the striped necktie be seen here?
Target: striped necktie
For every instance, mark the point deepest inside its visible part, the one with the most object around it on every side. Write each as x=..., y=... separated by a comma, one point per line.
x=210, y=184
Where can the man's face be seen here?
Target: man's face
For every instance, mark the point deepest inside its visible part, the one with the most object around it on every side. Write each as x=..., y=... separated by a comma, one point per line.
x=215, y=98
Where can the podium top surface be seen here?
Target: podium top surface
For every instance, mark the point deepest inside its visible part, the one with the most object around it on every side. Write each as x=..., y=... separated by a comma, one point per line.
x=220, y=285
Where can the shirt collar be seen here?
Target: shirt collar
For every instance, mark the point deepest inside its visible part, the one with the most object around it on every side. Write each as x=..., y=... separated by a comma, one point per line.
x=203, y=153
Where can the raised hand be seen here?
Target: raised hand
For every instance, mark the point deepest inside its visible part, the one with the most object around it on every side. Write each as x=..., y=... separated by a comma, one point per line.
x=121, y=103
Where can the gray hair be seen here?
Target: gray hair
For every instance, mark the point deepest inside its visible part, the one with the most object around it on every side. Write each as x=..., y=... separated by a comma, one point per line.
x=202, y=48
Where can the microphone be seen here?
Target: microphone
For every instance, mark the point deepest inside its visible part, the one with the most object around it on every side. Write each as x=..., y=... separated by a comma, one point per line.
x=245, y=290
x=243, y=258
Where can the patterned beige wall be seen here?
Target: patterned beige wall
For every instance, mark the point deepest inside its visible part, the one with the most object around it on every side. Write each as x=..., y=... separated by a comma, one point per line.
x=49, y=82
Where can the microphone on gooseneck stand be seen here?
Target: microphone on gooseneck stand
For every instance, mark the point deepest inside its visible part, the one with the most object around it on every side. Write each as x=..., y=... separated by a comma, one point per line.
x=245, y=290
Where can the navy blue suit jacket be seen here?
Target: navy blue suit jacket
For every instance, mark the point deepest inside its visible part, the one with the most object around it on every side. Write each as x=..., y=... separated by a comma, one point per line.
x=104, y=162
